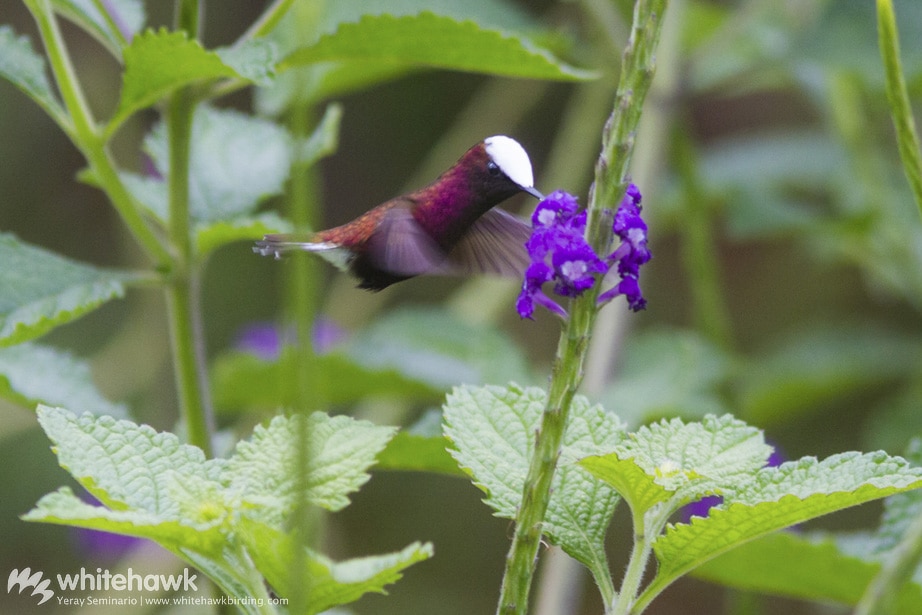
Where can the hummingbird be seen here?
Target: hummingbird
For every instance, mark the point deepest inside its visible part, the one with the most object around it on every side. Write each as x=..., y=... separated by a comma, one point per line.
x=448, y=227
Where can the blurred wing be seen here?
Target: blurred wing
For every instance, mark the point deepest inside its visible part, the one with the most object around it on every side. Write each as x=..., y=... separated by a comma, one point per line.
x=401, y=246
x=495, y=244
x=278, y=245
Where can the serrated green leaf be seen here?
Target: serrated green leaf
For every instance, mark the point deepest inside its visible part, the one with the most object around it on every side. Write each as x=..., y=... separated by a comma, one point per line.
x=340, y=448
x=434, y=347
x=681, y=461
x=62, y=507
x=492, y=431
x=25, y=69
x=125, y=18
x=237, y=161
x=158, y=62
x=242, y=380
x=125, y=465
x=41, y=290
x=779, y=497
x=210, y=236
x=326, y=583
x=254, y=60
x=435, y=41
x=32, y=374
x=802, y=567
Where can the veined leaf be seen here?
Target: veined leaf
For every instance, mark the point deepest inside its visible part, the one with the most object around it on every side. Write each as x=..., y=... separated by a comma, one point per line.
x=25, y=69
x=32, y=374
x=492, y=430
x=806, y=567
x=326, y=583
x=434, y=41
x=682, y=461
x=158, y=62
x=125, y=465
x=237, y=161
x=340, y=449
x=40, y=290
x=779, y=497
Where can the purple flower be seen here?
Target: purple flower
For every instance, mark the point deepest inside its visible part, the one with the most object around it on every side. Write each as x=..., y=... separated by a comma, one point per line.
x=265, y=340
x=560, y=254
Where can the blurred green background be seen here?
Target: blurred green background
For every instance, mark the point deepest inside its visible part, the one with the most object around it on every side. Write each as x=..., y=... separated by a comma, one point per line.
x=785, y=287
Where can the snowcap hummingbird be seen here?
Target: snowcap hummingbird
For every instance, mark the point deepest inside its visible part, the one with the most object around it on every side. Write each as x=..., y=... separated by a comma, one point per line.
x=447, y=227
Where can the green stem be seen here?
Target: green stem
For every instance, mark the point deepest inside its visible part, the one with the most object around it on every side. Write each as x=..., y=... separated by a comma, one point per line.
x=302, y=299
x=906, y=136
x=880, y=596
x=267, y=21
x=647, y=526
x=82, y=130
x=567, y=374
x=183, y=286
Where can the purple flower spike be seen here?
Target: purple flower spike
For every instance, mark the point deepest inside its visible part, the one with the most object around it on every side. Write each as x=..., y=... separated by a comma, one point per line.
x=560, y=254
x=632, y=253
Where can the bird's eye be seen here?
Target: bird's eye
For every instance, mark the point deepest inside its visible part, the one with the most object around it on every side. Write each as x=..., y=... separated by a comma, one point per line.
x=493, y=168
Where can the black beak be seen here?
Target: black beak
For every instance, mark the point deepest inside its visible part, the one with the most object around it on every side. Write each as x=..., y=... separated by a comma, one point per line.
x=534, y=192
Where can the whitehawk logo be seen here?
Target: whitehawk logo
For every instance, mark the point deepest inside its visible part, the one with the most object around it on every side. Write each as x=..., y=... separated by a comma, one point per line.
x=24, y=578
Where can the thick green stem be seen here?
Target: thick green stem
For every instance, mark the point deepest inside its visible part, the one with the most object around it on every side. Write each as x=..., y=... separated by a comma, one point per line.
x=566, y=377
x=302, y=299
x=182, y=287
x=610, y=183
x=906, y=136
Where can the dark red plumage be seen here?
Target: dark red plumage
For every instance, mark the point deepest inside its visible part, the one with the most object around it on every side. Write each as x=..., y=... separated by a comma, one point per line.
x=447, y=227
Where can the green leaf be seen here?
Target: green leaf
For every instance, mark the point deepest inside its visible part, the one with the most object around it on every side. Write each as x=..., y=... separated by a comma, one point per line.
x=434, y=41
x=158, y=62
x=413, y=452
x=324, y=141
x=208, y=511
x=124, y=465
x=210, y=236
x=236, y=162
x=667, y=372
x=25, y=69
x=805, y=567
x=32, y=374
x=420, y=447
x=778, y=497
x=123, y=20
x=341, y=450
x=681, y=462
x=254, y=60
x=327, y=583
x=492, y=430
x=242, y=380
x=41, y=290
x=434, y=347
x=62, y=507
